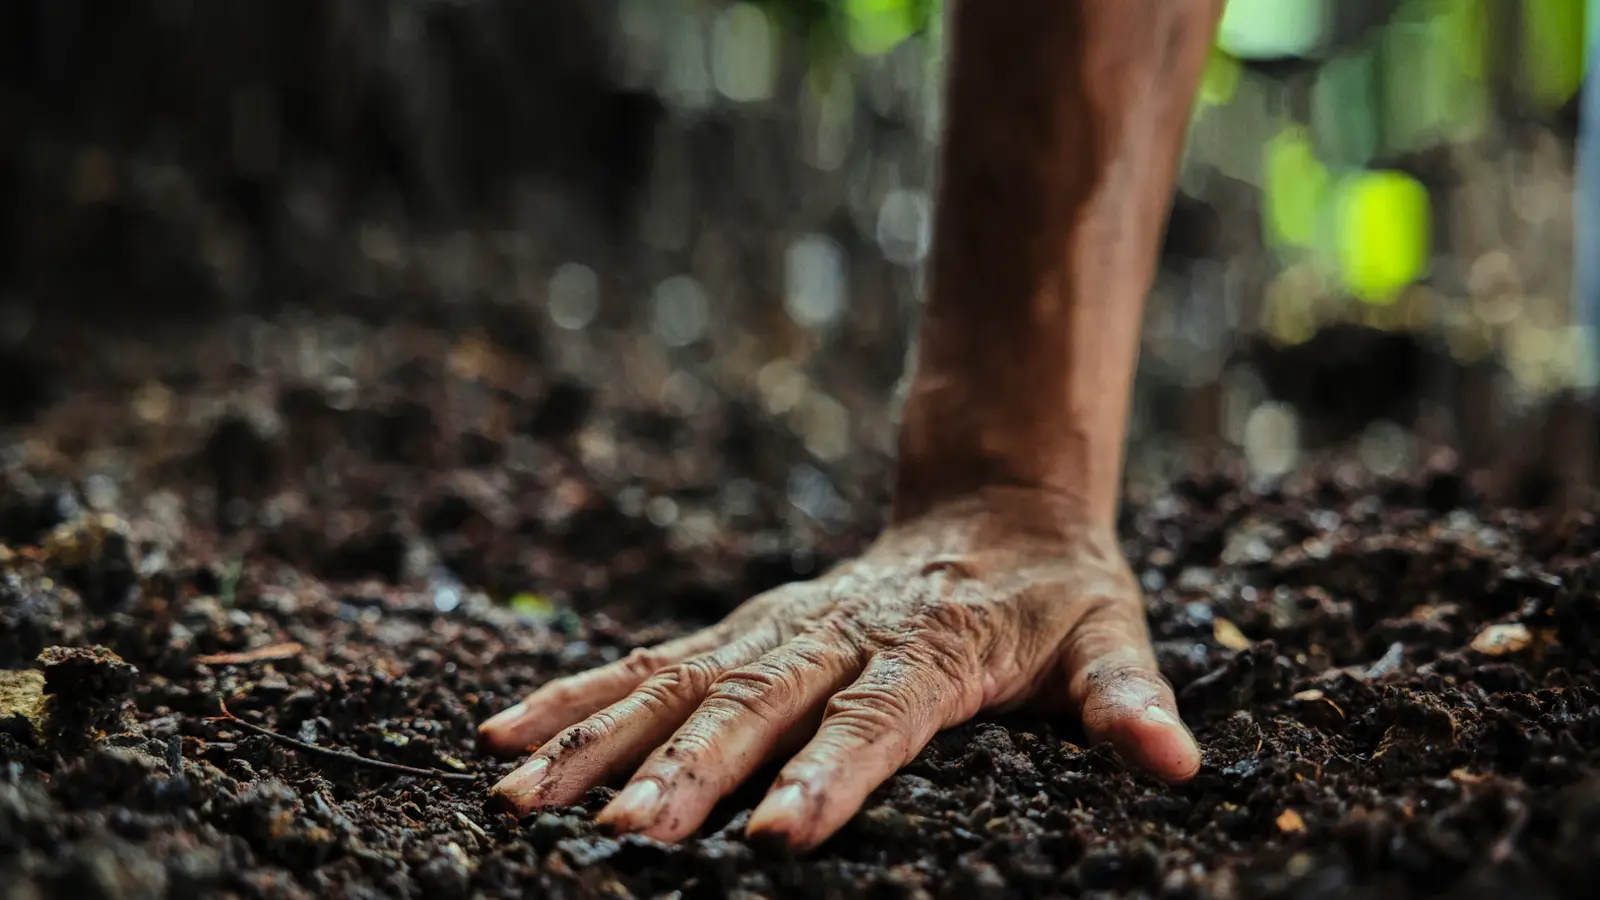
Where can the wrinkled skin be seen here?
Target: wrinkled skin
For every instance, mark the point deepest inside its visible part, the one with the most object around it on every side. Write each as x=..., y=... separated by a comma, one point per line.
x=993, y=602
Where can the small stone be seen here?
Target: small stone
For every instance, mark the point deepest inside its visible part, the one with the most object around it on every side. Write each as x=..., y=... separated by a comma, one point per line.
x=95, y=555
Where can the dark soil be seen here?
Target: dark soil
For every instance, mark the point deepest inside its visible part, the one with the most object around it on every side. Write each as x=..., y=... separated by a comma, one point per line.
x=373, y=570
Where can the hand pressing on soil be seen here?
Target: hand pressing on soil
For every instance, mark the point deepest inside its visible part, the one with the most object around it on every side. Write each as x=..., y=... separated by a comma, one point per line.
x=999, y=582
x=999, y=599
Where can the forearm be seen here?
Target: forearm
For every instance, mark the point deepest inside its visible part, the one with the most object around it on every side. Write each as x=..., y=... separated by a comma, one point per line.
x=1064, y=124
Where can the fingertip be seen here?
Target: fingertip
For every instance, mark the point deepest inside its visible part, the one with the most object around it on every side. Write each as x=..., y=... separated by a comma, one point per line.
x=1165, y=746
x=515, y=792
x=503, y=742
x=499, y=734
x=1151, y=737
x=1137, y=714
x=635, y=809
x=780, y=818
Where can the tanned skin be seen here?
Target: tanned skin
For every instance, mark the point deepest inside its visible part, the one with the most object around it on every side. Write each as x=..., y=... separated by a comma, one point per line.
x=999, y=582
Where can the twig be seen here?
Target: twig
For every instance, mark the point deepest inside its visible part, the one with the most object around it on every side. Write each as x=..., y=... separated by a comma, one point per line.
x=340, y=754
x=260, y=654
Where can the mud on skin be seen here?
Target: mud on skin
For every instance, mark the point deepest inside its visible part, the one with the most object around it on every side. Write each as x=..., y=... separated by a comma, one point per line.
x=1394, y=685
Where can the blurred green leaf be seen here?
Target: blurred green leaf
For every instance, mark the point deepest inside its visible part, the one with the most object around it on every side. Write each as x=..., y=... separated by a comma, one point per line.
x=1295, y=185
x=1552, y=50
x=875, y=27
x=1383, y=234
x=1220, y=81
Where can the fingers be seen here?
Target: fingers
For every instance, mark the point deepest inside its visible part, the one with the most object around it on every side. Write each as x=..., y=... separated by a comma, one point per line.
x=558, y=704
x=1120, y=695
x=744, y=720
x=620, y=735
x=526, y=725
x=872, y=728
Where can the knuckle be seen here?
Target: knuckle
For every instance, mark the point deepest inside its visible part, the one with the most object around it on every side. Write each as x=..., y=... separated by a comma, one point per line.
x=1121, y=672
x=864, y=719
x=953, y=618
x=948, y=654
x=850, y=731
x=690, y=743
x=754, y=688
x=678, y=683
x=641, y=662
x=842, y=628
x=875, y=707
x=809, y=652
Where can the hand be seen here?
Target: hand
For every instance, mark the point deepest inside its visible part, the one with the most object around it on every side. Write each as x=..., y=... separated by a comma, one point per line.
x=990, y=603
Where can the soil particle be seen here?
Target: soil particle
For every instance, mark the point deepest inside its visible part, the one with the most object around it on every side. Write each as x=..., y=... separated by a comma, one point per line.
x=87, y=689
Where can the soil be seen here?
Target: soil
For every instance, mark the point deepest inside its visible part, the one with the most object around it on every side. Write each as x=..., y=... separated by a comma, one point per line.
x=1394, y=683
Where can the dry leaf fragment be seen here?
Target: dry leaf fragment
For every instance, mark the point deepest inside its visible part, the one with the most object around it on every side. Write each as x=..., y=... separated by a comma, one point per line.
x=1501, y=640
x=1229, y=635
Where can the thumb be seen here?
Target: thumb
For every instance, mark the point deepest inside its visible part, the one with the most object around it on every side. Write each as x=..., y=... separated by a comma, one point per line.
x=1120, y=695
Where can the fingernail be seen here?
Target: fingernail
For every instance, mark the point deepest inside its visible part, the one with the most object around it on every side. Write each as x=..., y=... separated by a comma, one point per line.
x=1160, y=716
x=635, y=806
x=524, y=779
x=506, y=716
x=786, y=804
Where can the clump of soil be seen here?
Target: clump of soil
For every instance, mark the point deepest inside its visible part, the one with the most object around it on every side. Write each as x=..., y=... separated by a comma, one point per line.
x=1394, y=683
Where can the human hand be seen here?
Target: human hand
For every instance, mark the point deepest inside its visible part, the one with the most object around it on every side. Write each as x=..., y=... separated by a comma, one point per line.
x=994, y=602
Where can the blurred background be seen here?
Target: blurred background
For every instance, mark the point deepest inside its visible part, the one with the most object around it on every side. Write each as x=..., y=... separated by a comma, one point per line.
x=672, y=248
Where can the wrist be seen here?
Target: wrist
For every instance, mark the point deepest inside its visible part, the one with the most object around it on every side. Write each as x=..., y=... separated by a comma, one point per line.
x=953, y=447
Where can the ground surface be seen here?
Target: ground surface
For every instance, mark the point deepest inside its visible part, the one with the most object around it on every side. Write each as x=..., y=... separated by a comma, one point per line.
x=1395, y=688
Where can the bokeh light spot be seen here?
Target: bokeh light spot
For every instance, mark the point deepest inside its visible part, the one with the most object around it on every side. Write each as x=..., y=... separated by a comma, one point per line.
x=1384, y=234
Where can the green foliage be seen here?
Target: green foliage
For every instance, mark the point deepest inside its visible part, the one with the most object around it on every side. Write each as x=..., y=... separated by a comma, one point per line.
x=1296, y=185
x=863, y=27
x=1552, y=49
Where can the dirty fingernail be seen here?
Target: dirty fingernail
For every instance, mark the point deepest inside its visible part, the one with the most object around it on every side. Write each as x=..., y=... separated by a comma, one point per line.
x=636, y=805
x=524, y=779
x=506, y=716
x=787, y=804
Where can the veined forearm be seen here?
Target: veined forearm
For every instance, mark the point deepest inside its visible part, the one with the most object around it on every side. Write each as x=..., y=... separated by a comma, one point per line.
x=1064, y=120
